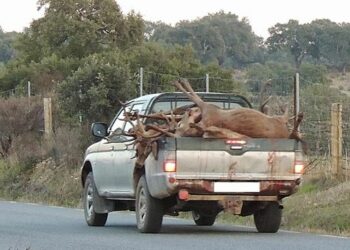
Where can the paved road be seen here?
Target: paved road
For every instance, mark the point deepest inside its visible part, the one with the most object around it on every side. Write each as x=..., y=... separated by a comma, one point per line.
x=30, y=226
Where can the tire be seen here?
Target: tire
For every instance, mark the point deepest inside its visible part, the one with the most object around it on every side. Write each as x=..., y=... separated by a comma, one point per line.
x=149, y=210
x=90, y=193
x=203, y=220
x=268, y=220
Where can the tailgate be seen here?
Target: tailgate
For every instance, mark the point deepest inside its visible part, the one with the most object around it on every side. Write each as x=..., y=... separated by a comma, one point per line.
x=220, y=159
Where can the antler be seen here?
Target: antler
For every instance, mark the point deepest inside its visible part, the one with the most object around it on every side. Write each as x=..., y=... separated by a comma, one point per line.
x=184, y=86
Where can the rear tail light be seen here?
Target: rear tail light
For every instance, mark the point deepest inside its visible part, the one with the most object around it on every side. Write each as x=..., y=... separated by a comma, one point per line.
x=299, y=167
x=236, y=143
x=169, y=166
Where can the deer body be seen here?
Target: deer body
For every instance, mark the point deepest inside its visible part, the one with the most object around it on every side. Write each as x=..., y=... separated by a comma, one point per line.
x=244, y=121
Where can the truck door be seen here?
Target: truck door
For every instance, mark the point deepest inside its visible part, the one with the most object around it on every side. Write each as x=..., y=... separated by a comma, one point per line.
x=119, y=160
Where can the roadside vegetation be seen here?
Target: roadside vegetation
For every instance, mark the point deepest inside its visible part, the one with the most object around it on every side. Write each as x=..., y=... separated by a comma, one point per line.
x=86, y=55
x=320, y=206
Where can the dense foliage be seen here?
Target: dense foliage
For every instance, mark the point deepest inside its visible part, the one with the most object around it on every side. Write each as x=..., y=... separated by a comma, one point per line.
x=220, y=38
x=7, y=51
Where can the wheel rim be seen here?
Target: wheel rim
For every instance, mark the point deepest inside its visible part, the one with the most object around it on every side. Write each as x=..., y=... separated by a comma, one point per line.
x=89, y=198
x=142, y=206
x=196, y=215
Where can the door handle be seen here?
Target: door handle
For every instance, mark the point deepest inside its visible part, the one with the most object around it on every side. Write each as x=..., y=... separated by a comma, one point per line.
x=112, y=148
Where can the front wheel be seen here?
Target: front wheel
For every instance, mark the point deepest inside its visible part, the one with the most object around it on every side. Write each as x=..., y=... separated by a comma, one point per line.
x=90, y=194
x=268, y=220
x=203, y=220
x=149, y=210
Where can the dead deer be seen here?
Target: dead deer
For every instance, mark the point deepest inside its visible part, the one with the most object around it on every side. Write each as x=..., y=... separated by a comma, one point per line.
x=245, y=121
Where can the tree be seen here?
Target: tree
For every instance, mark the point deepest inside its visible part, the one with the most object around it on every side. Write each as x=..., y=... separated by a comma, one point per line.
x=164, y=63
x=299, y=39
x=43, y=75
x=7, y=51
x=94, y=89
x=217, y=38
x=334, y=41
x=78, y=28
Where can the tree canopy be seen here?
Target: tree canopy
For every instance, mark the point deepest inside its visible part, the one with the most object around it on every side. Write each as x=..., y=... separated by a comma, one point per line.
x=220, y=38
x=78, y=28
x=7, y=51
x=299, y=39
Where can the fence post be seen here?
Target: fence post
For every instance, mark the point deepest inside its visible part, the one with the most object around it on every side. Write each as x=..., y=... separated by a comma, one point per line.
x=141, y=81
x=29, y=89
x=336, y=140
x=48, y=117
x=207, y=83
x=296, y=97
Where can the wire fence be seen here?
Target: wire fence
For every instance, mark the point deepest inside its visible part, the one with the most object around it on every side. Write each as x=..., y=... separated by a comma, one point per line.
x=19, y=91
x=316, y=105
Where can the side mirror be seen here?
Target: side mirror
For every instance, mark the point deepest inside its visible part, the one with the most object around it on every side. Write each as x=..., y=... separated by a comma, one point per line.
x=99, y=129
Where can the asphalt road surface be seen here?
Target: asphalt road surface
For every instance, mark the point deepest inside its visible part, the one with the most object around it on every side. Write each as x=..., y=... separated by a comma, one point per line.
x=32, y=226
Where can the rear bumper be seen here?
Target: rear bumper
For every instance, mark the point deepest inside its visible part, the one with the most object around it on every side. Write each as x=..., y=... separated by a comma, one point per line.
x=167, y=185
x=267, y=188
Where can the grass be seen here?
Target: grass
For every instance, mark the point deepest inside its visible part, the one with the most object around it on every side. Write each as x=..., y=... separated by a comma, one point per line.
x=320, y=206
x=44, y=183
x=323, y=209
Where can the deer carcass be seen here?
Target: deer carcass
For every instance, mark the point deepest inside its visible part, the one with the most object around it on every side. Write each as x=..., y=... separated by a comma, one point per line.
x=244, y=121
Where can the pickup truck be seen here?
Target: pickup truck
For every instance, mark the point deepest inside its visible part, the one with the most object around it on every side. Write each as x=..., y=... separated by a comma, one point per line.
x=193, y=174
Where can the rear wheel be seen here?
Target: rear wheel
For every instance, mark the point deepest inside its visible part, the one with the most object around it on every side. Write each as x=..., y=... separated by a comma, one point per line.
x=90, y=194
x=149, y=210
x=268, y=220
x=203, y=220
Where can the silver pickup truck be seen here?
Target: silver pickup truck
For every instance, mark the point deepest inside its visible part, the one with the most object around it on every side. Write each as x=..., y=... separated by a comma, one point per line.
x=204, y=176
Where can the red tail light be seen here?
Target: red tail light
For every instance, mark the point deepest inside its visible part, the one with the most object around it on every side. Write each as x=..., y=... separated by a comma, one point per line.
x=169, y=166
x=236, y=142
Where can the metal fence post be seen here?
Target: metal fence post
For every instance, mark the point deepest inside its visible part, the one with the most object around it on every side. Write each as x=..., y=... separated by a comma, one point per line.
x=207, y=83
x=296, y=97
x=141, y=81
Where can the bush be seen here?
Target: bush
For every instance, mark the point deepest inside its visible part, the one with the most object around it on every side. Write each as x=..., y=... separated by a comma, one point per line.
x=18, y=117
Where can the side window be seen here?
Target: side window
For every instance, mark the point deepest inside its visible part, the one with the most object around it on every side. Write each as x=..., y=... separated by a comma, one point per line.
x=136, y=108
x=119, y=122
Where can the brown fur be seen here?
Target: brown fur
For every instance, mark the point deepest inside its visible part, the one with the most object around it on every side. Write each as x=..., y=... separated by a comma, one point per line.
x=244, y=121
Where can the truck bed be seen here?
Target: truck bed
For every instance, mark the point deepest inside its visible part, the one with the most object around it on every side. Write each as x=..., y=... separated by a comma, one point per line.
x=220, y=159
x=253, y=167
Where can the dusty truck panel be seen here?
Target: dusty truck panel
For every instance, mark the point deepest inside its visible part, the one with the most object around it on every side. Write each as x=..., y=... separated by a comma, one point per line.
x=205, y=176
x=220, y=159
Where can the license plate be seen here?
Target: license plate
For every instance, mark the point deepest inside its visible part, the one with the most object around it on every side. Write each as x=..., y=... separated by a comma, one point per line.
x=236, y=187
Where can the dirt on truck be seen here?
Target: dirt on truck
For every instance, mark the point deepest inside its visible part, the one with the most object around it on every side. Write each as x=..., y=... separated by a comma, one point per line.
x=185, y=151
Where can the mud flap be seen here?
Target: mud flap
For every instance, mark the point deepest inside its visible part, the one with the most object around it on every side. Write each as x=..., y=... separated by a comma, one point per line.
x=102, y=205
